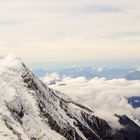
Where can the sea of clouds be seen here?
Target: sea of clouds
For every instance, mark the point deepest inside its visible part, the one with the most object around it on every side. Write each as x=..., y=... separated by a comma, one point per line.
x=104, y=97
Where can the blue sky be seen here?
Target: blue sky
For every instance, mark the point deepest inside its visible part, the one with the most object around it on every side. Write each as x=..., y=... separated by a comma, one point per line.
x=62, y=30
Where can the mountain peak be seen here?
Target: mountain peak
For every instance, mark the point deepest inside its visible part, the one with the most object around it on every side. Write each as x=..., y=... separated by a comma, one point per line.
x=29, y=110
x=10, y=62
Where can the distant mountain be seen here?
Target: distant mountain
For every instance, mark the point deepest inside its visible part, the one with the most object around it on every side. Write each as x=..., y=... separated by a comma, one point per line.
x=29, y=110
x=133, y=75
x=88, y=72
x=134, y=101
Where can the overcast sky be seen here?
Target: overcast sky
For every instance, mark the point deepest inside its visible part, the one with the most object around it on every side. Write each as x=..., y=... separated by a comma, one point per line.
x=58, y=30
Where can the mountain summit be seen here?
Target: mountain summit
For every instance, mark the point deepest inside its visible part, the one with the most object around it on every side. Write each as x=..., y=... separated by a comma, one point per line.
x=29, y=110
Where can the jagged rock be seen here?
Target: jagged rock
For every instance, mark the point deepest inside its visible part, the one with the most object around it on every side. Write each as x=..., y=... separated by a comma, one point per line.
x=37, y=112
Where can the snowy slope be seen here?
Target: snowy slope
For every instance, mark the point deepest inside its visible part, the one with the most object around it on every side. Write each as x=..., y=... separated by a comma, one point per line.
x=29, y=110
x=16, y=99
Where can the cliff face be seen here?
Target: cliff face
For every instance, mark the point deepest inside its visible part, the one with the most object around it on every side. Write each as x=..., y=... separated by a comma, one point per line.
x=32, y=111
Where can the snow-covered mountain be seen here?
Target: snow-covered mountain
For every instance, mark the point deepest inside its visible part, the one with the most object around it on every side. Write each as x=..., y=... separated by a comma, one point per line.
x=29, y=110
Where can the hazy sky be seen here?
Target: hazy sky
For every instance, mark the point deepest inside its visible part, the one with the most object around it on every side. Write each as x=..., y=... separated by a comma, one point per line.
x=56, y=30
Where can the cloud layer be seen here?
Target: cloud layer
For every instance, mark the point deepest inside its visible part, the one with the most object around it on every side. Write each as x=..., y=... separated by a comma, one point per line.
x=57, y=30
x=105, y=97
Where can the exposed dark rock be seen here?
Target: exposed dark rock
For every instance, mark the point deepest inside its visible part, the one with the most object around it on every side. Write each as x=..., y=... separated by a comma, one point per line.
x=90, y=126
x=134, y=101
x=12, y=129
x=58, y=112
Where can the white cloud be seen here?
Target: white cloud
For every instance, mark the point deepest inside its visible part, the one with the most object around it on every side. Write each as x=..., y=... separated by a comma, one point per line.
x=105, y=97
x=50, y=77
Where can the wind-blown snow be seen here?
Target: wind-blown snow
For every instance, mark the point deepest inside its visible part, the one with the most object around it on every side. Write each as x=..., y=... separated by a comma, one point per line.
x=14, y=94
x=10, y=62
x=105, y=97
